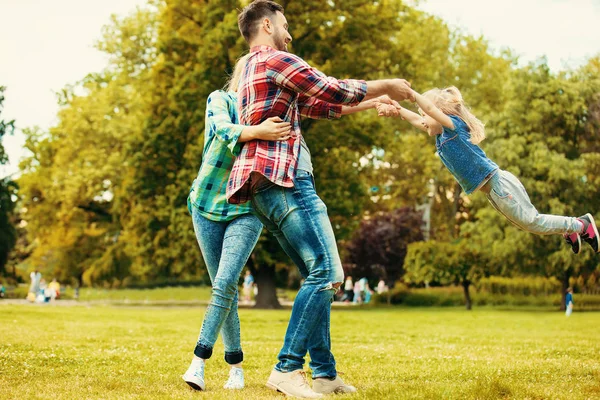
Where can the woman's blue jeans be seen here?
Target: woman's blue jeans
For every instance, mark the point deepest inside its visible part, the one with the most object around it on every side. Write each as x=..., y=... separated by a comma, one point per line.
x=226, y=247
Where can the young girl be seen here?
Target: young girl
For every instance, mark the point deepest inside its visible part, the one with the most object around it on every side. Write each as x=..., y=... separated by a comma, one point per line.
x=458, y=132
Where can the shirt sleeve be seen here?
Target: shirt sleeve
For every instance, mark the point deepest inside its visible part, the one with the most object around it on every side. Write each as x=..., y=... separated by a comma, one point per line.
x=218, y=119
x=311, y=107
x=293, y=73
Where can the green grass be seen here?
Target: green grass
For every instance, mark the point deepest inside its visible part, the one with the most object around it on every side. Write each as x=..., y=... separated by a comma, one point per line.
x=140, y=352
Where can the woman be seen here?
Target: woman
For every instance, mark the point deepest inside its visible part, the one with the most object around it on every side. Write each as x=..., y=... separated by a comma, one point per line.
x=226, y=233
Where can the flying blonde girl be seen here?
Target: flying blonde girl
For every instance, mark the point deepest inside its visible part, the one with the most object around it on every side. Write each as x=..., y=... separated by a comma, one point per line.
x=458, y=132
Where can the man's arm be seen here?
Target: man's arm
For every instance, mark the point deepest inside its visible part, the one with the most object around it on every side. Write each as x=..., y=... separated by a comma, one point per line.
x=293, y=73
x=311, y=107
x=397, y=89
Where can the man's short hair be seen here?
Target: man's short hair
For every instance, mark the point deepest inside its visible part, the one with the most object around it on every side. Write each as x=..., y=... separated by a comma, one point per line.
x=253, y=13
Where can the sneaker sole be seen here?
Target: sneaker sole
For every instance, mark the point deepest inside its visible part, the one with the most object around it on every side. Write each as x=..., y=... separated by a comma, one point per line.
x=595, y=230
x=578, y=245
x=194, y=385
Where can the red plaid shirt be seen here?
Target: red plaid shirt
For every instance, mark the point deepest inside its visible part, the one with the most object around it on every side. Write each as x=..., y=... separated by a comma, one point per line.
x=280, y=84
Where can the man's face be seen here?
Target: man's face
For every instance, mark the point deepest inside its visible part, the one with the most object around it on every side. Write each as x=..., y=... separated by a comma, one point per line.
x=281, y=36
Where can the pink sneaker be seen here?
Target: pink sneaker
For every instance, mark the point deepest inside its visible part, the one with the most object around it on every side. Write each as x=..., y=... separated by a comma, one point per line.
x=574, y=241
x=590, y=231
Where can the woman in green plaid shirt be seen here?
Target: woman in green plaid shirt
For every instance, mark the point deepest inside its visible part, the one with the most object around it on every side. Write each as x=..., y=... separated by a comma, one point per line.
x=226, y=233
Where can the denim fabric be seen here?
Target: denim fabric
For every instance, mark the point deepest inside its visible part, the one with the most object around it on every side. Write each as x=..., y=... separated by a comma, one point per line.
x=466, y=161
x=509, y=197
x=298, y=219
x=304, y=159
x=225, y=247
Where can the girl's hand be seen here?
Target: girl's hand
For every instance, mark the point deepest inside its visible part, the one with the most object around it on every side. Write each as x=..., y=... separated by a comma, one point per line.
x=274, y=128
x=391, y=109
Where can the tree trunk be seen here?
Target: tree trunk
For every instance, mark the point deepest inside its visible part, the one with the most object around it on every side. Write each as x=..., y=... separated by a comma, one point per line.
x=455, y=206
x=565, y=286
x=265, y=281
x=465, y=284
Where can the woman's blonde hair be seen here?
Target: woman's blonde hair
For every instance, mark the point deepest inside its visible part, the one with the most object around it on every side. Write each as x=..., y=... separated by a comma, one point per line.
x=234, y=80
x=450, y=102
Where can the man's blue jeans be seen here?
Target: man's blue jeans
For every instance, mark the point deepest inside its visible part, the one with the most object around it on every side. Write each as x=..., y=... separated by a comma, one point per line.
x=298, y=219
x=225, y=247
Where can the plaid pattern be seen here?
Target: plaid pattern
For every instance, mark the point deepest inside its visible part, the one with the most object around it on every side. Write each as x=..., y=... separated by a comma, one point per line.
x=220, y=145
x=279, y=84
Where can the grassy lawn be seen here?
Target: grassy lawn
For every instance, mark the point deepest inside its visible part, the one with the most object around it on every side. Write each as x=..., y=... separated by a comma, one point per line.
x=140, y=352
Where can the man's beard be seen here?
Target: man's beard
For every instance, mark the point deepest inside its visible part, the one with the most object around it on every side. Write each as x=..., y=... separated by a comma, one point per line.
x=280, y=41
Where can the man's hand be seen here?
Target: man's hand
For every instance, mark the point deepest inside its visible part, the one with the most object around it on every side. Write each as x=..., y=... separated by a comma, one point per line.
x=399, y=90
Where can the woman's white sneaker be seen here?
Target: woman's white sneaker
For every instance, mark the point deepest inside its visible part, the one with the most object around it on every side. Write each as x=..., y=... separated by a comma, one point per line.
x=194, y=376
x=236, y=379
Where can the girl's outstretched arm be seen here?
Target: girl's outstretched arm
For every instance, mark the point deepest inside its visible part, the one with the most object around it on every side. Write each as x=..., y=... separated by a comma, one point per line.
x=430, y=109
x=386, y=110
x=366, y=105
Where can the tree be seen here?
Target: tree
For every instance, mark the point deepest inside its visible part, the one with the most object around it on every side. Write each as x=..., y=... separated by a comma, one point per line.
x=8, y=191
x=378, y=248
x=71, y=183
x=458, y=263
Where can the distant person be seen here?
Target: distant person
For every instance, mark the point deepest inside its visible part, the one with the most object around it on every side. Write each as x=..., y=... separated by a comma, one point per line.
x=382, y=287
x=348, y=290
x=367, y=293
x=247, y=286
x=363, y=286
x=2, y=291
x=569, y=302
x=55, y=289
x=36, y=278
x=357, y=293
x=40, y=295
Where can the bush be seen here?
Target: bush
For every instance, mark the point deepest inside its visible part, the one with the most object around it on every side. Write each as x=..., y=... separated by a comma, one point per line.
x=520, y=286
x=507, y=295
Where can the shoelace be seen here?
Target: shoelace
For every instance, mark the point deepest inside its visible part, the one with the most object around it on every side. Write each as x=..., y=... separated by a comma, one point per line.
x=302, y=375
x=235, y=373
x=568, y=239
x=199, y=372
x=235, y=377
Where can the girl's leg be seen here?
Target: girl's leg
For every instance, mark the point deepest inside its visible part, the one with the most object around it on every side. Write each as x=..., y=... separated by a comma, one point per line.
x=509, y=197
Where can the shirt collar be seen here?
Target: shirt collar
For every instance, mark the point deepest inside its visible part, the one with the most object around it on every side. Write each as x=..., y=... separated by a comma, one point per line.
x=261, y=47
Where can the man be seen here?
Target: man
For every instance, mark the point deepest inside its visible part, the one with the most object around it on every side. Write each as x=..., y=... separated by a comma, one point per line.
x=277, y=177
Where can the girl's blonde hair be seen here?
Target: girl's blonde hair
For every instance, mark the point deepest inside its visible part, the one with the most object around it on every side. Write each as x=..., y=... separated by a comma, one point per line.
x=234, y=80
x=450, y=102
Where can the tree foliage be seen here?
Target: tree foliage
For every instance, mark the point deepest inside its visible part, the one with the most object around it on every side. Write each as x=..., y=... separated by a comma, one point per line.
x=104, y=192
x=8, y=189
